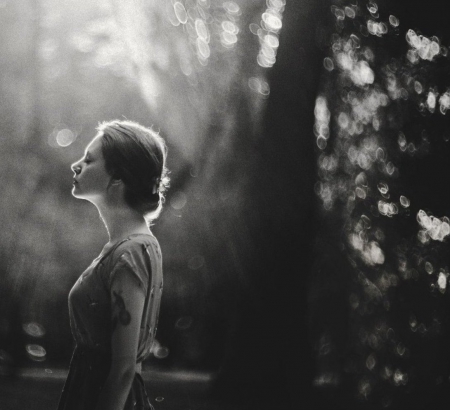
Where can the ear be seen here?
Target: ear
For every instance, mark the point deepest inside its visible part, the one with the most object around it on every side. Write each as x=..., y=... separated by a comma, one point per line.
x=115, y=182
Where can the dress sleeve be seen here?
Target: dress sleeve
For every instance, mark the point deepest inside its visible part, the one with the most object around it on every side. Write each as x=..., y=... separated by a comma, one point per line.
x=132, y=262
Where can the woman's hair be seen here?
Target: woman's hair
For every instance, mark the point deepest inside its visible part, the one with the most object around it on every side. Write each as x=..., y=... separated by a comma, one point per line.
x=137, y=156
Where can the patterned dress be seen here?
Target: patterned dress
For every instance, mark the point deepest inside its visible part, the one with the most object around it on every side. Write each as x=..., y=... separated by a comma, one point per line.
x=138, y=257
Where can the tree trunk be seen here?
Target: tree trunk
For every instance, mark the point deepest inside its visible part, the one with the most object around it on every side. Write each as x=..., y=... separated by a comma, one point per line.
x=271, y=364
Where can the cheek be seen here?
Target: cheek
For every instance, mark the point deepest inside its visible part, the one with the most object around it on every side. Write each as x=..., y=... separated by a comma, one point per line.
x=101, y=178
x=93, y=178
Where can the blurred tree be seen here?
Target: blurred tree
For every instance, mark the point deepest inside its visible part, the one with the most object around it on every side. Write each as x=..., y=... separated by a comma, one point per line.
x=381, y=135
x=251, y=196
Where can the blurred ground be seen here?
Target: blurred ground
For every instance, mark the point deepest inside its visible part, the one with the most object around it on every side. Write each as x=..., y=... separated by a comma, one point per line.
x=38, y=389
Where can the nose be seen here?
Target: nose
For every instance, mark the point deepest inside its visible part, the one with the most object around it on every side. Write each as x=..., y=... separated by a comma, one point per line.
x=76, y=168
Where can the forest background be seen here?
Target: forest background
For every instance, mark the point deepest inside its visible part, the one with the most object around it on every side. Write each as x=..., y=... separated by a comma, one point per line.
x=304, y=233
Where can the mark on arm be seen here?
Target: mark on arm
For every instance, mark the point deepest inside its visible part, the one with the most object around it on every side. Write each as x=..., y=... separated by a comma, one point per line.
x=122, y=316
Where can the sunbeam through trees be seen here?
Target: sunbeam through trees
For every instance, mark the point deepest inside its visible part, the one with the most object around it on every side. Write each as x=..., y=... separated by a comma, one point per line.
x=305, y=232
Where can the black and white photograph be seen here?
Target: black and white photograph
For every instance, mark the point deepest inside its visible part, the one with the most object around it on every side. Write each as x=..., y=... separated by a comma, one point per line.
x=224, y=205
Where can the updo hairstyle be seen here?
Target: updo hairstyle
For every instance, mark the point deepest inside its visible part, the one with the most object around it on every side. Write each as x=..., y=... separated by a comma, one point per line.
x=137, y=156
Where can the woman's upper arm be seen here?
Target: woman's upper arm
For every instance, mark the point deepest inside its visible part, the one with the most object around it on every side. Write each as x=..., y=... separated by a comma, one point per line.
x=127, y=304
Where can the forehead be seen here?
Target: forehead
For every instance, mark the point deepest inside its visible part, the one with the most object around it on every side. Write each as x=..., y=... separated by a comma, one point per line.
x=95, y=146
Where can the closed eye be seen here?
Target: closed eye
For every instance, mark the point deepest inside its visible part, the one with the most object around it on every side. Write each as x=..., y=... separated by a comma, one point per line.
x=87, y=159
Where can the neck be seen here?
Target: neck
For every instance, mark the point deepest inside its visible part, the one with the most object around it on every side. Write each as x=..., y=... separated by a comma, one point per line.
x=122, y=221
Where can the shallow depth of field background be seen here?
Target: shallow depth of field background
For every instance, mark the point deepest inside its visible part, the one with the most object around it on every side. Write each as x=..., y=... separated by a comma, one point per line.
x=305, y=233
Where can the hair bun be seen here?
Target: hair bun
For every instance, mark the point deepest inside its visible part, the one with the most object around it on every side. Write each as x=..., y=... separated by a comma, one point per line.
x=156, y=185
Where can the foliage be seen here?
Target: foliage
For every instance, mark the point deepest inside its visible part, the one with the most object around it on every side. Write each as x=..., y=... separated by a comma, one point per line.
x=381, y=133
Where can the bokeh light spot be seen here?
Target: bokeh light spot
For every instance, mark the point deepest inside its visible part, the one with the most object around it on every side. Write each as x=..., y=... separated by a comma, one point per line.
x=65, y=137
x=421, y=47
x=231, y=7
x=360, y=193
x=272, y=21
x=350, y=12
x=321, y=142
x=229, y=27
x=276, y=4
x=271, y=40
x=442, y=282
x=178, y=200
x=404, y=201
x=259, y=85
x=418, y=87
x=431, y=101
x=196, y=262
x=401, y=349
x=376, y=28
x=203, y=49
x=400, y=378
x=202, y=30
x=394, y=21
x=390, y=168
x=380, y=154
x=161, y=352
x=434, y=228
x=343, y=120
x=33, y=329
x=373, y=254
x=383, y=187
x=184, y=322
x=339, y=13
x=372, y=7
x=328, y=63
x=180, y=12
x=36, y=352
x=254, y=28
x=228, y=39
x=444, y=102
x=371, y=361
x=364, y=387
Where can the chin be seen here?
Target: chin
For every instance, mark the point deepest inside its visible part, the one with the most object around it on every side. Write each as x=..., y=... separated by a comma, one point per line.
x=75, y=193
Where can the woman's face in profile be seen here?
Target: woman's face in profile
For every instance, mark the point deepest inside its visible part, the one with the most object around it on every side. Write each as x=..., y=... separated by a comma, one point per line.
x=91, y=179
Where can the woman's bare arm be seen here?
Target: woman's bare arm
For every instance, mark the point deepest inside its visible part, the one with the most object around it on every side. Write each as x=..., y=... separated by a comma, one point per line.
x=127, y=301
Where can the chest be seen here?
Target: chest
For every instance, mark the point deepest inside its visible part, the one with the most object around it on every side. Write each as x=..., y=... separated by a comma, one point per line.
x=89, y=296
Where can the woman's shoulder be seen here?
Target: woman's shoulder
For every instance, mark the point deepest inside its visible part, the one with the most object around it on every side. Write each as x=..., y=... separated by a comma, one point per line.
x=135, y=246
x=138, y=239
x=133, y=254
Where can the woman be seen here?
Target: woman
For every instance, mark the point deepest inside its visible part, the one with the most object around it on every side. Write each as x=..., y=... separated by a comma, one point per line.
x=114, y=305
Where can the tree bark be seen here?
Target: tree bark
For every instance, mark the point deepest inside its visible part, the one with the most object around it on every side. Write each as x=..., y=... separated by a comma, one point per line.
x=272, y=363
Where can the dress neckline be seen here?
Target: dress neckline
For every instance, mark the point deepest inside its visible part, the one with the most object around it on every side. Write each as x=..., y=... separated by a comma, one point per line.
x=115, y=244
x=139, y=233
